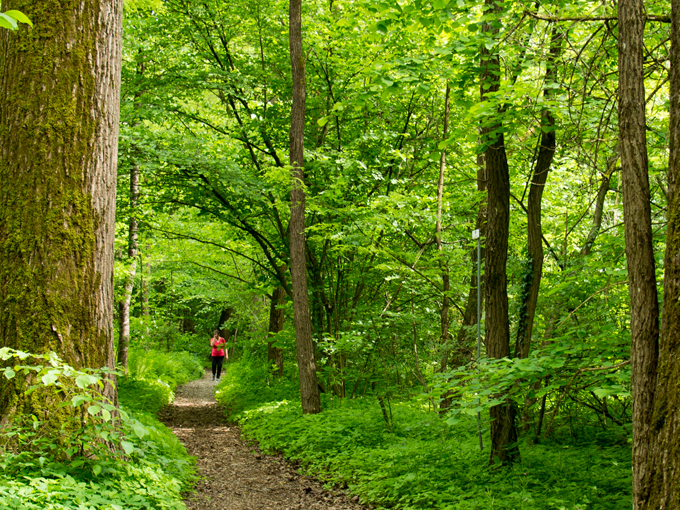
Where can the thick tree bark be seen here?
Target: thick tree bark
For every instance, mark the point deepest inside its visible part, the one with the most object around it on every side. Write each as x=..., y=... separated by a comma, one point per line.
x=661, y=486
x=59, y=106
x=276, y=318
x=503, y=429
x=309, y=387
x=546, y=151
x=644, y=313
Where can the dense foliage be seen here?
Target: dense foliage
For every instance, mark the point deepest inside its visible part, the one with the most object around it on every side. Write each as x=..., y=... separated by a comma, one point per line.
x=100, y=456
x=418, y=461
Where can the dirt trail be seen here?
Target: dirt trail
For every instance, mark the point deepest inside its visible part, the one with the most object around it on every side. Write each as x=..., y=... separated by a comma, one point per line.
x=235, y=476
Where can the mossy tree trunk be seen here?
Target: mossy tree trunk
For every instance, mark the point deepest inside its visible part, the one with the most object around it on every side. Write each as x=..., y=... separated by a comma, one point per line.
x=59, y=105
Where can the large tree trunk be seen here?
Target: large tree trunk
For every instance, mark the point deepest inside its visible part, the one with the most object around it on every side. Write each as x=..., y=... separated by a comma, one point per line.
x=546, y=151
x=503, y=429
x=309, y=387
x=661, y=486
x=276, y=318
x=644, y=313
x=59, y=100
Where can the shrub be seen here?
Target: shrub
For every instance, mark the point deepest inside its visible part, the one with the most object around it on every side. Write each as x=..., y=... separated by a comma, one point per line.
x=100, y=457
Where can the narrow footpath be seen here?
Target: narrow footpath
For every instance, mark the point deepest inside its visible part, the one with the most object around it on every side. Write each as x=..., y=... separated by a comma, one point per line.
x=234, y=475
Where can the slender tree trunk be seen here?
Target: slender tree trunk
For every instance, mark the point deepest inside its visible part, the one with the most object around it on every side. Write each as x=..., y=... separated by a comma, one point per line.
x=644, y=313
x=661, y=481
x=276, y=318
x=124, y=305
x=144, y=284
x=309, y=387
x=503, y=429
x=443, y=265
x=133, y=245
x=59, y=100
x=534, y=269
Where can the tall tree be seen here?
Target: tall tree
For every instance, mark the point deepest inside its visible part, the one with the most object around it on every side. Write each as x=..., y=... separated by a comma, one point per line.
x=654, y=359
x=644, y=308
x=59, y=104
x=662, y=485
x=133, y=245
x=309, y=387
x=539, y=176
x=503, y=429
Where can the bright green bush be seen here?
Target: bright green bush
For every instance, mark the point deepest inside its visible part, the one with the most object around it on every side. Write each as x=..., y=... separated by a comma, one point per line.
x=173, y=368
x=420, y=462
x=143, y=394
x=249, y=383
x=101, y=457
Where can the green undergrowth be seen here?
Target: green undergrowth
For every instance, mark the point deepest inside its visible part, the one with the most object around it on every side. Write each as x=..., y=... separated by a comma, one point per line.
x=125, y=459
x=423, y=463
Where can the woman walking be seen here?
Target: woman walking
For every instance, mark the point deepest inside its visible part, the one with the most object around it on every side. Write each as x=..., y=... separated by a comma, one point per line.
x=219, y=354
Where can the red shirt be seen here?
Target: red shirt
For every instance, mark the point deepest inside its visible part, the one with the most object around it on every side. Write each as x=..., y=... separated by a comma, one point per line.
x=215, y=344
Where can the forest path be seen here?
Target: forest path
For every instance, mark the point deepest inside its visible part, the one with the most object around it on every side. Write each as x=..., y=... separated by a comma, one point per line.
x=234, y=475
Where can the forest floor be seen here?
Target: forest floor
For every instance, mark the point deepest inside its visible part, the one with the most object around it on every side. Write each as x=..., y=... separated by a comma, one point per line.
x=234, y=474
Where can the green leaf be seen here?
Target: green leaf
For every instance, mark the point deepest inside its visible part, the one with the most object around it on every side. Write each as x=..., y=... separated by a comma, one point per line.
x=322, y=121
x=93, y=410
x=128, y=447
x=49, y=378
x=19, y=16
x=140, y=430
x=7, y=21
x=9, y=373
x=79, y=399
x=96, y=469
x=84, y=380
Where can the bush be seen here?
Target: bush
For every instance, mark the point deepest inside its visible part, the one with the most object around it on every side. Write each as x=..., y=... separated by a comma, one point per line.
x=100, y=456
x=173, y=368
x=249, y=383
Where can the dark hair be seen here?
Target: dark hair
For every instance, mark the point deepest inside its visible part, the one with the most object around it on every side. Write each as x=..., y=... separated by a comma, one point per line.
x=216, y=332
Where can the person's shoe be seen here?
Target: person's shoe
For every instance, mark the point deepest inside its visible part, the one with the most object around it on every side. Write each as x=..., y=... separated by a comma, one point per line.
x=218, y=379
x=213, y=378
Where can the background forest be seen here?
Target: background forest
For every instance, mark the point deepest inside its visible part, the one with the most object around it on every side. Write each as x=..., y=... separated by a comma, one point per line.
x=401, y=109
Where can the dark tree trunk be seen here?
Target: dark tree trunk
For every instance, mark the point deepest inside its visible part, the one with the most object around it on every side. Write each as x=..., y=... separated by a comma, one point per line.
x=503, y=429
x=644, y=313
x=661, y=487
x=276, y=318
x=546, y=151
x=225, y=315
x=59, y=100
x=309, y=387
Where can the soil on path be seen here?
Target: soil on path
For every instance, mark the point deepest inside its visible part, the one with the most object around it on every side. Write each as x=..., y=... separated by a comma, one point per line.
x=234, y=474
